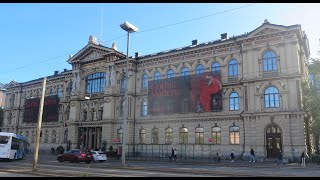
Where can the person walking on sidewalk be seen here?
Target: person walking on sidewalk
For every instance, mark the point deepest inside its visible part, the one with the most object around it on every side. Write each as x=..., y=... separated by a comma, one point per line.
x=253, y=157
x=303, y=160
x=232, y=156
x=175, y=154
x=218, y=156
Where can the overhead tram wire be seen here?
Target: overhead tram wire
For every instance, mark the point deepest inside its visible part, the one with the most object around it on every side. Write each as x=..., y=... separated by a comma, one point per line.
x=152, y=29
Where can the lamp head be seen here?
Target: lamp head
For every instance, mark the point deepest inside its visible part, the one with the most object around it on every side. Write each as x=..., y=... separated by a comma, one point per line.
x=128, y=27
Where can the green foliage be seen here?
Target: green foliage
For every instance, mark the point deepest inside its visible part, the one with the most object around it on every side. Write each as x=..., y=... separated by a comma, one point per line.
x=311, y=98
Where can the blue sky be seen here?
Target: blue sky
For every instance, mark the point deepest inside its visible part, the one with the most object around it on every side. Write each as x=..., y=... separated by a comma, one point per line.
x=37, y=38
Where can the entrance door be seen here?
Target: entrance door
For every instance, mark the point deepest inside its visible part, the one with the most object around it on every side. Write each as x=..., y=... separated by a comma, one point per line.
x=273, y=141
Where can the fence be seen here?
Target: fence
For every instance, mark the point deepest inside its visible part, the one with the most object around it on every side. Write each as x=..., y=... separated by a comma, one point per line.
x=161, y=152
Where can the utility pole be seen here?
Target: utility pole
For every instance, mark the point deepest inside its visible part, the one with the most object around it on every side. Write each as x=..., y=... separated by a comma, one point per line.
x=39, y=125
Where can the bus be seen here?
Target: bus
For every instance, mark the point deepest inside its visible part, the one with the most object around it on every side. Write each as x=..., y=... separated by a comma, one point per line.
x=12, y=146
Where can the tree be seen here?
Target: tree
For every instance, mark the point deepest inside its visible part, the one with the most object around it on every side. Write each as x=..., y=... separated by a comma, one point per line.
x=311, y=103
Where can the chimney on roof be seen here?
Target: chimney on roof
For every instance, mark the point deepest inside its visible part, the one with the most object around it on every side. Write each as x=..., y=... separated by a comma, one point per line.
x=224, y=36
x=114, y=46
x=136, y=55
x=92, y=40
x=56, y=73
x=195, y=42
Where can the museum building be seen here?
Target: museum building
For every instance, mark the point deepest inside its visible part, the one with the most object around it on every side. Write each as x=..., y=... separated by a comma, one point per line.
x=234, y=93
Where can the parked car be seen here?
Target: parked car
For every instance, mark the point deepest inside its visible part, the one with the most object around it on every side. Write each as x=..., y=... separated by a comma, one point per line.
x=75, y=155
x=99, y=156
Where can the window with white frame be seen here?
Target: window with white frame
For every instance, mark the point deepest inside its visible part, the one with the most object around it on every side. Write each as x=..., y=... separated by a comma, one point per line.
x=271, y=97
x=234, y=134
x=144, y=108
x=233, y=68
x=269, y=60
x=142, y=136
x=199, y=139
x=216, y=135
x=155, y=136
x=144, y=81
x=183, y=136
x=234, y=101
x=169, y=136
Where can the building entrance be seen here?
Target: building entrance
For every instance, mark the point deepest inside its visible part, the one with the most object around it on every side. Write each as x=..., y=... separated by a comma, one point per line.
x=274, y=141
x=89, y=137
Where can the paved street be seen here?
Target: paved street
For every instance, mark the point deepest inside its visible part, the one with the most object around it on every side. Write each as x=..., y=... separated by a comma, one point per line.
x=49, y=166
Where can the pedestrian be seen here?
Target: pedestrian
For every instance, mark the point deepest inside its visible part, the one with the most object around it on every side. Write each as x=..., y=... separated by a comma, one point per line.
x=88, y=158
x=232, y=156
x=280, y=158
x=175, y=154
x=172, y=154
x=303, y=159
x=52, y=150
x=218, y=156
x=252, y=156
x=116, y=153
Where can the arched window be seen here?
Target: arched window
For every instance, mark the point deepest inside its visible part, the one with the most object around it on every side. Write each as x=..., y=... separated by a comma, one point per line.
x=215, y=69
x=144, y=108
x=51, y=91
x=95, y=83
x=216, y=135
x=233, y=68
x=142, y=136
x=157, y=76
x=155, y=136
x=59, y=92
x=269, y=60
x=46, y=136
x=234, y=101
x=199, y=71
x=170, y=74
x=184, y=71
x=234, y=135
x=271, y=97
x=169, y=136
x=69, y=88
x=183, y=136
x=145, y=81
x=121, y=108
x=199, y=139
x=123, y=81
x=54, y=136
x=67, y=113
x=120, y=135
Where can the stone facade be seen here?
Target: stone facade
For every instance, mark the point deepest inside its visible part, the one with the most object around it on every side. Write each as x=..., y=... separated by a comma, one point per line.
x=101, y=112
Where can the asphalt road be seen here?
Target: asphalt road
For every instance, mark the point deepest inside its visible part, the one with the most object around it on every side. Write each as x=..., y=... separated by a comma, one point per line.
x=49, y=166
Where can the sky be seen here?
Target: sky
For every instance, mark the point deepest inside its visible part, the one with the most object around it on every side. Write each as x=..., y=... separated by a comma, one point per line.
x=37, y=38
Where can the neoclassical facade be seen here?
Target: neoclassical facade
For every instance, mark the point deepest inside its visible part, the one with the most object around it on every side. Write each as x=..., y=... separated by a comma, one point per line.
x=261, y=74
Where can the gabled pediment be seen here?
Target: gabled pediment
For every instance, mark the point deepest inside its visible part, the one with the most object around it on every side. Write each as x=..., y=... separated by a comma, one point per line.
x=267, y=28
x=11, y=84
x=91, y=52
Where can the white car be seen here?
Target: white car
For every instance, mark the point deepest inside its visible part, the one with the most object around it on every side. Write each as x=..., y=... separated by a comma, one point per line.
x=99, y=156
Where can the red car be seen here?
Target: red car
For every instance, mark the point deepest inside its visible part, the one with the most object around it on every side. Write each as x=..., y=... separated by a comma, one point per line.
x=75, y=155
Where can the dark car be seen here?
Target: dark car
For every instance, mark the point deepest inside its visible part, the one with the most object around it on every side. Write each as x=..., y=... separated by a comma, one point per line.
x=75, y=155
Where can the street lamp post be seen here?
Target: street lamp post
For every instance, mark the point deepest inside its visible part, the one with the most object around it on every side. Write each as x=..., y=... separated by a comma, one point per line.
x=129, y=28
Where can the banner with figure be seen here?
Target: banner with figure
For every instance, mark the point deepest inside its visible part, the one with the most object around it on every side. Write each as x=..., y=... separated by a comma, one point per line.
x=193, y=93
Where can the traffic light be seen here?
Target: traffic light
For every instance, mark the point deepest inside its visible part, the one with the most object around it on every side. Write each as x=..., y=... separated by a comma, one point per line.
x=41, y=133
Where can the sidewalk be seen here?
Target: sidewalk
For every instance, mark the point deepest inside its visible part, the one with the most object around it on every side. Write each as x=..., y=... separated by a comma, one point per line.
x=182, y=162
